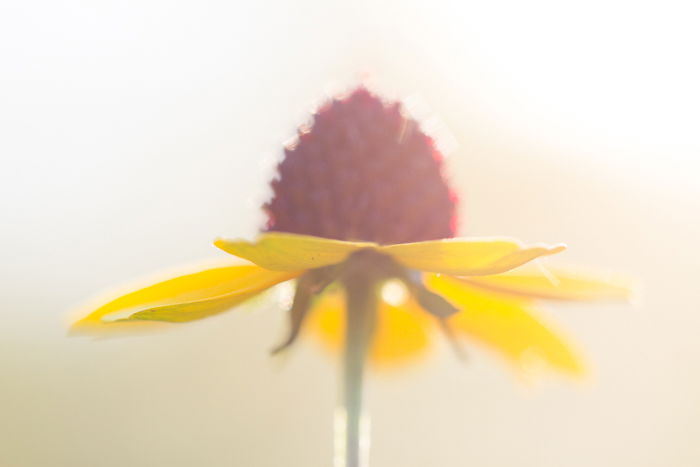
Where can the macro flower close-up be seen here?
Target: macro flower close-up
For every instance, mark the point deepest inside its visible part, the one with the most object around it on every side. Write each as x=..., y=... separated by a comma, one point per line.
x=349, y=234
x=361, y=204
x=361, y=199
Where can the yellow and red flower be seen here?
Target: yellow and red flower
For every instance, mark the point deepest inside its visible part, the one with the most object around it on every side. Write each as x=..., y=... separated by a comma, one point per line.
x=361, y=206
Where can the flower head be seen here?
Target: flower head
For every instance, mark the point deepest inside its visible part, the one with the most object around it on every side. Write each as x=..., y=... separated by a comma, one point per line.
x=362, y=172
x=360, y=205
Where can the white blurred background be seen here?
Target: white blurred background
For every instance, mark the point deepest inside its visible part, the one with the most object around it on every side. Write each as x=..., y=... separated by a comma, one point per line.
x=133, y=133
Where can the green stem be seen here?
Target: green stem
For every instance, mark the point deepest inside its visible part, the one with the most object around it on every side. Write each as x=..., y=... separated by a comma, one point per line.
x=360, y=321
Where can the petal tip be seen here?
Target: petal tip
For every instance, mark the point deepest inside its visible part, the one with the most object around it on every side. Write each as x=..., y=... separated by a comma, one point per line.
x=558, y=248
x=75, y=330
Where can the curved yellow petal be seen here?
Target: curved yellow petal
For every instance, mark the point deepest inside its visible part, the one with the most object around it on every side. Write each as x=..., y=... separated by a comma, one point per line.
x=184, y=298
x=326, y=322
x=402, y=333
x=291, y=252
x=467, y=257
x=506, y=325
x=552, y=286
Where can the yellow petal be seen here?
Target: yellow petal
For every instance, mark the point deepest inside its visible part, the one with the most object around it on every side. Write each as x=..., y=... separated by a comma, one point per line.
x=402, y=333
x=180, y=299
x=291, y=252
x=326, y=322
x=553, y=286
x=467, y=257
x=506, y=325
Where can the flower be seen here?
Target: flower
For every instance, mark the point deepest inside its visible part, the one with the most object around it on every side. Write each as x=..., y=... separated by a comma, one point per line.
x=362, y=219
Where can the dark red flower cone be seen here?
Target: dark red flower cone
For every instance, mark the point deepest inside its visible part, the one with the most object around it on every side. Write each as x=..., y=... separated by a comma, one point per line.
x=362, y=171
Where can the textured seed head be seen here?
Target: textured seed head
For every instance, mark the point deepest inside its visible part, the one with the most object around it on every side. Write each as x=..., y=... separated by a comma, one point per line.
x=363, y=171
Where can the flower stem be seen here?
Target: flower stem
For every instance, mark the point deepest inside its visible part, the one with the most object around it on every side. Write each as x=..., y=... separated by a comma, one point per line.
x=360, y=322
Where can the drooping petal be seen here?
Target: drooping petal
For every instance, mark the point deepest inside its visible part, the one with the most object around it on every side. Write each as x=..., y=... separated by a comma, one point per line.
x=401, y=335
x=554, y=285
x=467, y=257
x=310, y=284
x=327, y=320
x=291, y=252
x=184, y=298
x=506, y=325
